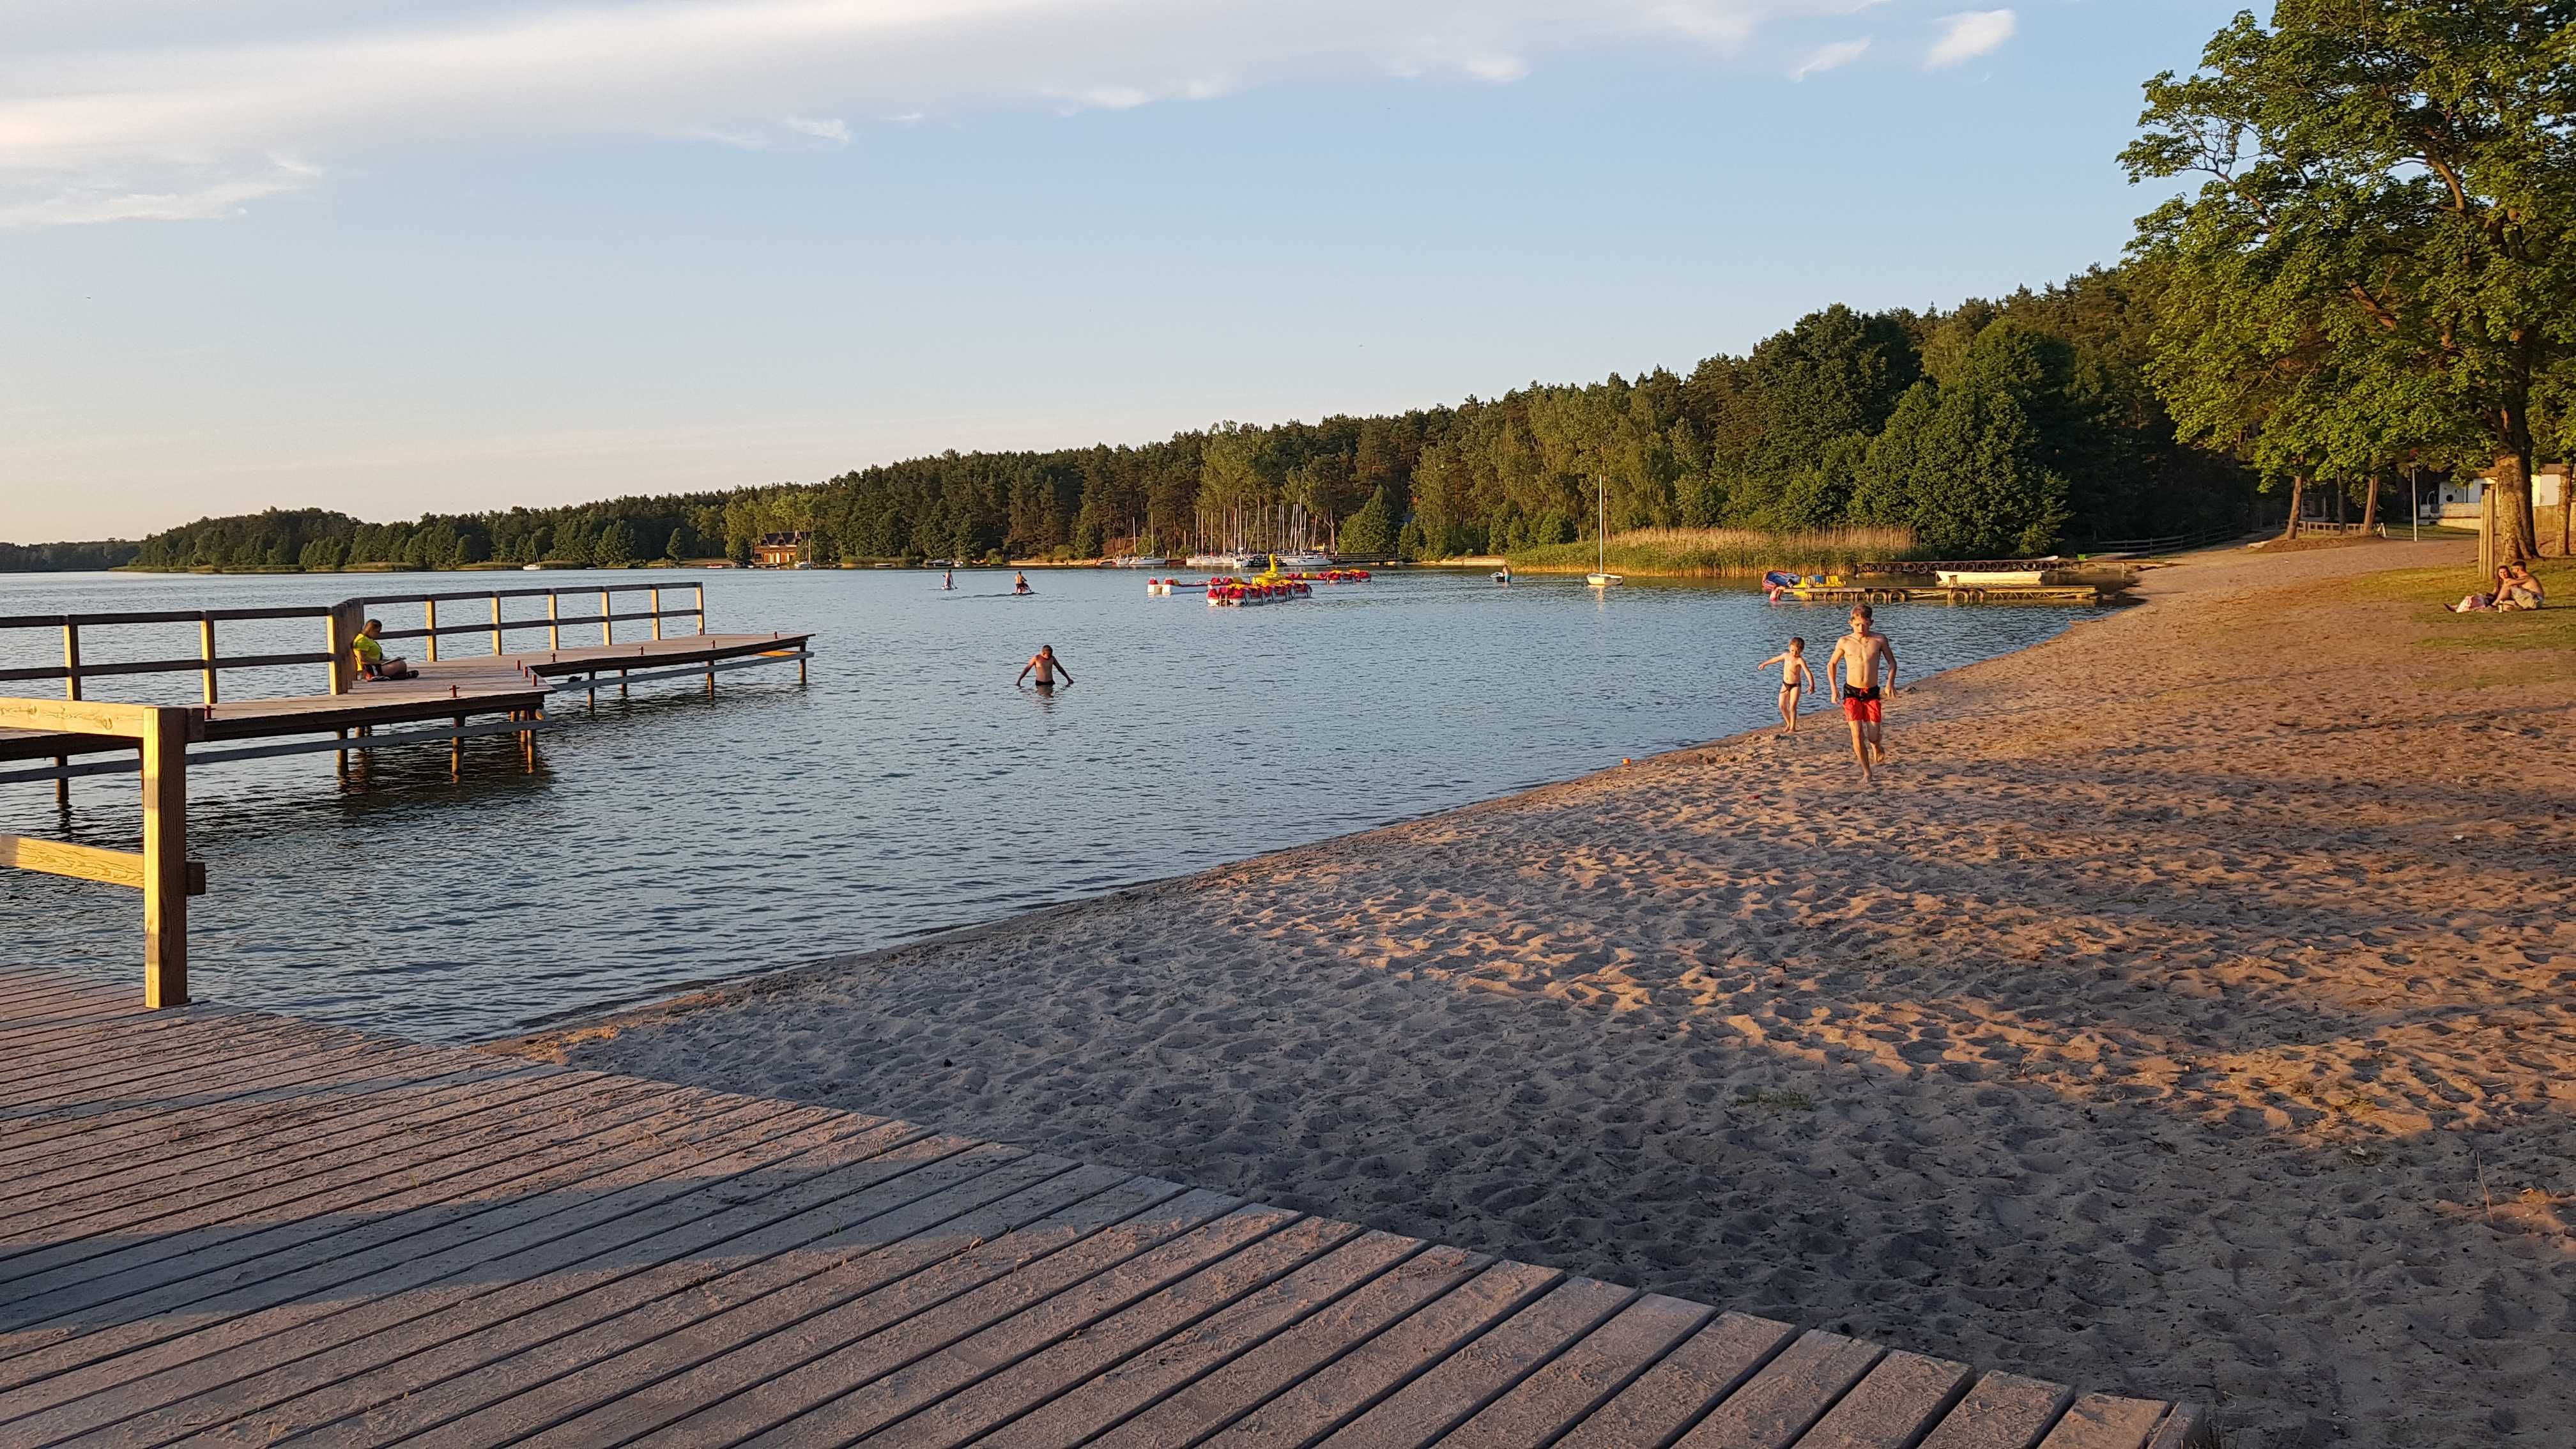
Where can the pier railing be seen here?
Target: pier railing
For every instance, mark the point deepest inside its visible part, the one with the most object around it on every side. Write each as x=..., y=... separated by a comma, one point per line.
x=161, y=869
x=340, y=628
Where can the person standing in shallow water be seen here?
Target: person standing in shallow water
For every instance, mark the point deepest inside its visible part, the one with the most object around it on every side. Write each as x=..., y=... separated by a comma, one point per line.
x=1047, y=666
x=1859, y=655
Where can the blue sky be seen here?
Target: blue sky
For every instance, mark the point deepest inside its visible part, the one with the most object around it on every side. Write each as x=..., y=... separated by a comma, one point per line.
x=389, y=256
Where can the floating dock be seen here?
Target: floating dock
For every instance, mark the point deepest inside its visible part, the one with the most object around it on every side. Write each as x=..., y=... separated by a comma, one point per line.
x=226, y=1227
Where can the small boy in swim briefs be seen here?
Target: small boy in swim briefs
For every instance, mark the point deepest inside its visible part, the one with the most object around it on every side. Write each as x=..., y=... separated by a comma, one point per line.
x=1795, y=679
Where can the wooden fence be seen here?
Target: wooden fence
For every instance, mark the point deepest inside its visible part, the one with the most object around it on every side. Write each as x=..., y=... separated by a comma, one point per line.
x=161, y=870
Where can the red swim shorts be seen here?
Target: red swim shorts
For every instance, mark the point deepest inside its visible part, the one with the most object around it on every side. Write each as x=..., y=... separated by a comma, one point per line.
x=1860, y=707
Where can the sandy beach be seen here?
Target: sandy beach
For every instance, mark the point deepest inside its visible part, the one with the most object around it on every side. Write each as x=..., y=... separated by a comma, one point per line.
x=2187, y=1011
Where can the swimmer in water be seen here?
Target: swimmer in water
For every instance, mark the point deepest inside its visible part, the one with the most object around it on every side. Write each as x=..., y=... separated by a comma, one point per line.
x=1047, y=666
x=1020, y=584
x=948, y=581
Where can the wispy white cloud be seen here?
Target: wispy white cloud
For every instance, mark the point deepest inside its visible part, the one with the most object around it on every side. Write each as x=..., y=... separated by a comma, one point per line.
x=198, y=195
x=1970, y=34
x=96, y=90
x=833, y=130
x=1831, y=57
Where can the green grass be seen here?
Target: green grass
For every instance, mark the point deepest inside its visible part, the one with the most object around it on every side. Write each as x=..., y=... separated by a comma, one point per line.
x=2432, y=590
x=1723, y=553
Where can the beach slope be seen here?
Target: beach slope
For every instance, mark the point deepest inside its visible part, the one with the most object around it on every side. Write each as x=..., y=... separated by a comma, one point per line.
x=2188, y=1010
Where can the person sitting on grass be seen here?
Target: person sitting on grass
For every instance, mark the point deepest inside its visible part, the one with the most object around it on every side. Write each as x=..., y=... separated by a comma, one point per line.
x=2518, y=588
x=372, y=663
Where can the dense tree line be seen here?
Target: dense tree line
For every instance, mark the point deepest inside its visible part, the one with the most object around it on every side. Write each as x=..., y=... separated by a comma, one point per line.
x=1996, y=427
x=22, y=558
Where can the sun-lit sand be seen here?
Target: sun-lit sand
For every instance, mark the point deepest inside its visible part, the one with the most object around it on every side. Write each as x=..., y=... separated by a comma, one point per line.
x=2189, y=1011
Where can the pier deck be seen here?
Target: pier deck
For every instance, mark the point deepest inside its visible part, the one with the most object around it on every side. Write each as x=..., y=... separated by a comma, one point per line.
x=222, y=1226
x=446, y=689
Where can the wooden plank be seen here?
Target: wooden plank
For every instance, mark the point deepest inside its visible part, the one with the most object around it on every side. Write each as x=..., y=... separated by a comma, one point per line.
x=1221, y=1397
x=856, y=1343
x=284, y=1149
x=1542, y=1407
x=239, y=1229
x=81, y=716
x=2001, y=1411
x=272, y=1336
x=1787, y=1395
x=2100, y=1421
x=1041, y=1377
x=1464, y=1382
x=1111, y=1397
x=868, y=1385
x=145, y=1317
x=2185, y=1427
x=39, y=1128
x=38, y=1134
x=1664, y=1400
x=308, y=1360
x=631, y=1367
x=1340, y=1390
x=124, y=1061
x=1904, y=1396
x=80, y=862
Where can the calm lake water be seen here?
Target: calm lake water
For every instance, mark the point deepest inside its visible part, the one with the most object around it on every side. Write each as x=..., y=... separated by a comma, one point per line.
x=910, y=787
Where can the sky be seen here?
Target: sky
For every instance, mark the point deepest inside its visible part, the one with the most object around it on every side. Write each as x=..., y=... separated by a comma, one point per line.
x=397, y=256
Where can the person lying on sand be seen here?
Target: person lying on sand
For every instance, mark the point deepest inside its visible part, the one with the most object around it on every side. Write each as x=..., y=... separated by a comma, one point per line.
x=1795, y=679
x=1047, y=666
x=1860, y=653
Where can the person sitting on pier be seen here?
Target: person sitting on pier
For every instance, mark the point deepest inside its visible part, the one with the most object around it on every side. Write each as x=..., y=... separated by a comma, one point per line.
x=1047, y=666
x=372, y=663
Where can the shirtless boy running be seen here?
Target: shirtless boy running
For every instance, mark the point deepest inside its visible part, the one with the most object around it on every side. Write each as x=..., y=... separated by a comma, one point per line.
x=1795, y=679
x=1860, y=653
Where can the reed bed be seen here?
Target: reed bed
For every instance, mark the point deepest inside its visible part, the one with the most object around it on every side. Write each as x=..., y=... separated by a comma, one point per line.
x=1724, y=553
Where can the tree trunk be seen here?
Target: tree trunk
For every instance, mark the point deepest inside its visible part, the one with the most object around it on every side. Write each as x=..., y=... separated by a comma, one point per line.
x=2298, y=496
x=2516, y=542
x=2370, y=505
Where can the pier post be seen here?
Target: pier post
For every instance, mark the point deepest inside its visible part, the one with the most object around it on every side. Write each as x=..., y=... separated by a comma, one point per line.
x=554, y=621
x=165, y=860
x=702, y=608
x=71, y=690
x=206, y=651
x=346, y=619
x=431, y=605
x=497, y=650
x=657, y=611
x=456, y=751
x=343, y=753
x=607, y=625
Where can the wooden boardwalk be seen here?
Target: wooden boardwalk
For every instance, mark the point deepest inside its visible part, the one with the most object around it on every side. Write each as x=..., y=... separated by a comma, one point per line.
x=223, y=1227
x=448, y=689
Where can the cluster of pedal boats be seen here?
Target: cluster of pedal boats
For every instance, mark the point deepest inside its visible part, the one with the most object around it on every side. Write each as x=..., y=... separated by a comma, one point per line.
x=1274, y=587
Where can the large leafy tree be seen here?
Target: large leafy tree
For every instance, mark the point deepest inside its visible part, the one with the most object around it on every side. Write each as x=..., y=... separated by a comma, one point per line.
x=1977, y=467
x=2383, y=221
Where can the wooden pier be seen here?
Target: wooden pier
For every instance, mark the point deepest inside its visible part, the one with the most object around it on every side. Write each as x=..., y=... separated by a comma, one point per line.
x=162, y=742
x=514, y=685
x=224, y=1227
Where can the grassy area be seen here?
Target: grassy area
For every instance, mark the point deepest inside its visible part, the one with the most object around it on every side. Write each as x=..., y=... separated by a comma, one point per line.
x=1723, y=553
x=2432, y=590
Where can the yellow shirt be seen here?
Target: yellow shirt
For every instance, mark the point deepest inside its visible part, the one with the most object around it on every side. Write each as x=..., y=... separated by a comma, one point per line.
x=370, y=653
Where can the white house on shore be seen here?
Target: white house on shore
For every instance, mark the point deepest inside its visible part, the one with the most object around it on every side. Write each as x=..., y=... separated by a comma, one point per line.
x=2461, y=500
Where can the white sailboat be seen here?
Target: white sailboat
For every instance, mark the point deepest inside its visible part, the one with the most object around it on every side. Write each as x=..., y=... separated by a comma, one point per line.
x=1601, y=577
